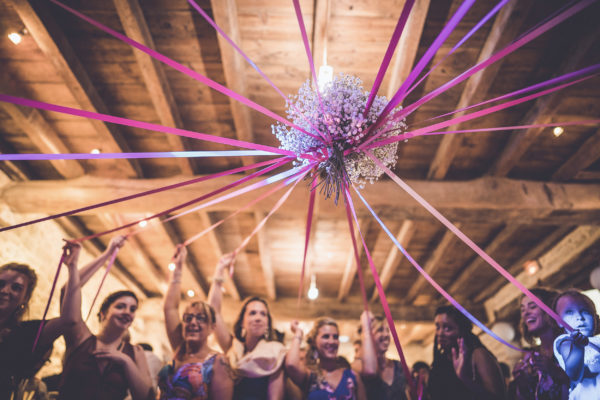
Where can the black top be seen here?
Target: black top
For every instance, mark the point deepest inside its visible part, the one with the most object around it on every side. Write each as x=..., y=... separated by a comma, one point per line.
x=377, y=389
x=17, y=361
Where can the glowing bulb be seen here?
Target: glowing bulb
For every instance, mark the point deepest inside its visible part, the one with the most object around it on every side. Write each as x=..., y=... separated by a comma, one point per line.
x=531, y=267
x=559, y=130
x=325, y=76
x=191, y=293
x=344, y=339
x=95, y=151
x=313, y=292
x=15, y=37
x=172, y=267
x=143, y=223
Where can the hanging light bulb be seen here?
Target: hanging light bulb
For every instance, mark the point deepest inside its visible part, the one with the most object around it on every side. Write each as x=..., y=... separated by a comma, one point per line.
x=17, y=37
x=559, y=130
x=171, y=266
x=313, y=292
x=191, y=293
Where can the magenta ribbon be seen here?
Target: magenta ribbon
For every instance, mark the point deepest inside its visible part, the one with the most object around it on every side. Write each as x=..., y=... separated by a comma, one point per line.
x=309, y=218
x=111, y=261
x=141, y=194
x=468, y=242
x=386, y=309
x=187, y=71
x=389, y=53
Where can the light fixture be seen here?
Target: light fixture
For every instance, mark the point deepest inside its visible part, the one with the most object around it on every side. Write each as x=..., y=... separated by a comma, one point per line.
x=17, y=37
x=171, y=266
x=531, y=267
x=344, y=339
x=559, y=130
x=325, y=76
x=313, y=292
x=143, y=223
x=95, y=151
x=191, y=293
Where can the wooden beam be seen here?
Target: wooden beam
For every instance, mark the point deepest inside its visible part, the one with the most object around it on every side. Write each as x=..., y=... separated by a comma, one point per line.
x=159, y=89
x=543, y=109
x=588, y=153
x=350, y=268
x=406, y=52
x=478, y=262
x=321, y=18
x=229, y=284
x=225, y=15
x=493, y=199
x=265, y=258
x=517, y=266
x=433, y=263
x=32, y=122
x=551, y=262
x=54, y=44
x=507, y=26
x=404, y=236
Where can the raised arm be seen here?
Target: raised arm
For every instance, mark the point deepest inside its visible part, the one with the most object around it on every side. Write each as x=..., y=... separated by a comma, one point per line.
x=294, y=367
x=171, y=305
x=368, y=365
x=215, y=295
x=572, y=350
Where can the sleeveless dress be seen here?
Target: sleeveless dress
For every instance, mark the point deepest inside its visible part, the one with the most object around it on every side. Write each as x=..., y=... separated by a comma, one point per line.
x=82, y=378
x=587, y=386
x=378, y=389
x=190, y=381
x=319, y=389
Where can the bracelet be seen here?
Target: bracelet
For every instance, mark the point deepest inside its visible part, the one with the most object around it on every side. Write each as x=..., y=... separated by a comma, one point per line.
x=176, y=281
x=218, y=280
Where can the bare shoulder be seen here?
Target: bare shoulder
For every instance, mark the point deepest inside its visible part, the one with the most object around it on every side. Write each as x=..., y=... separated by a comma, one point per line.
x=222, y=365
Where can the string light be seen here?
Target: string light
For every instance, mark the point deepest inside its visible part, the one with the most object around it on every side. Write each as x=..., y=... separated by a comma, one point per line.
x=191, y=293
x=531, y=267
x=17, y=37
x=559, y=130
x=313, y=292
x=95, y=151
x=143, y=223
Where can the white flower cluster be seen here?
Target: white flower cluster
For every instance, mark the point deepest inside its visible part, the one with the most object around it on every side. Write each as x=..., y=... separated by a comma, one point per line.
x=339, y=116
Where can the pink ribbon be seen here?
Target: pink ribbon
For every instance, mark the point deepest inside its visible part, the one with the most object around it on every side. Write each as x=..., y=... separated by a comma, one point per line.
x=309, y=218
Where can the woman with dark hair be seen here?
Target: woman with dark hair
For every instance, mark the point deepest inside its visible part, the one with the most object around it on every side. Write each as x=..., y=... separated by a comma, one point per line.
x=462, y=367
x=103, y=366
x=323, y=375
x=537, y=375
x=253, y=349
x=17, y=361
x=383, y=377
x=197, y=372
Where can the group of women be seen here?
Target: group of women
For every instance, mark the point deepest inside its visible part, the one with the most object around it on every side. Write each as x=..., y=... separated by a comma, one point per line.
x=253, y=364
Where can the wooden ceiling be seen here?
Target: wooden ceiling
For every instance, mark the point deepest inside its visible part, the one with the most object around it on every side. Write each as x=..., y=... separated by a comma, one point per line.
x=521, y=195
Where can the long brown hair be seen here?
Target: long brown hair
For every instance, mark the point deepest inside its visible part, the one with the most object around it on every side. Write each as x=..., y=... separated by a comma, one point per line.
x=548, y=297
x=237, y=327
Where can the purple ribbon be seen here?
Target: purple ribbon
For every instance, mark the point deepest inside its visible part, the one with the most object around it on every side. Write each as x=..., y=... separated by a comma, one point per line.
x=155, y=154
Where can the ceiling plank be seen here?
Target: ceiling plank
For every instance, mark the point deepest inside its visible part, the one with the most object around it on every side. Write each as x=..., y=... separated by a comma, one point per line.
x=159, y=89
x=392, y=262
x=433, y=263
x=265, y=257
x=320, y=32
x=478, y=262
x=55, y=45
x=542, y=111
x=350, y=270
x=506, y=26
x=588, y=153
x=406, y=52
x=495, y=199
x=551, y=262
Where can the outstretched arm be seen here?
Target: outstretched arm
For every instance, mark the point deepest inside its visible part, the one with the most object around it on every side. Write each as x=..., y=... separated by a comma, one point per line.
x=171, y=305
x=294, y=367
x=215, y=295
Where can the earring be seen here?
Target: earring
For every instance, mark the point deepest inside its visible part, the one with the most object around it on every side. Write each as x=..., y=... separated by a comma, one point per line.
x=22, y=306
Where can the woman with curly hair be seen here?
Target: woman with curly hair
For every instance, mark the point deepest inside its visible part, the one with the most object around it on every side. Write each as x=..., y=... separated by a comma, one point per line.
x=324, y=375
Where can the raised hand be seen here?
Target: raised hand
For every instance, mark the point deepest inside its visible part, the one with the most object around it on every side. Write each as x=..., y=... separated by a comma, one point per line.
x=111, y=355
x=180, y=256
x=72, y=254
x=295, y=328
x=459, y=357
x=117, y=242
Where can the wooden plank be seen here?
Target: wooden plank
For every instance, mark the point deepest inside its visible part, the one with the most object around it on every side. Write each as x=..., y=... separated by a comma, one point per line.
x=406, y=52
x=136, y=27
x=507, y=26
x=551, y=262
x=350, y=268
x=265, y=257
x=404, y=236
x=588, y=153
x=54, y=44
x=321, y=17
x=432, y=264
x=543, y=109
x=477, y=262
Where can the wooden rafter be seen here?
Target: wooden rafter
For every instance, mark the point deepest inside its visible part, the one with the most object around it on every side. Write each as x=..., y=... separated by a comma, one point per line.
x=588, y=153
x=265, y=258
x=54, y=44
x=506, y=27
x=350, y=269
x=393, y=259
x=322, y=15
x=136, y=27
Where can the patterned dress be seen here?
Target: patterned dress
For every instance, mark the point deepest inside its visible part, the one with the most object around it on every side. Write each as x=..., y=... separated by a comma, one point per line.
x=319, y=389
x=189, y=382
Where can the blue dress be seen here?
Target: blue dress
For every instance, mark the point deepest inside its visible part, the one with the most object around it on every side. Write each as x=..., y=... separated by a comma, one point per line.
x=190, y=382
x=319, y=389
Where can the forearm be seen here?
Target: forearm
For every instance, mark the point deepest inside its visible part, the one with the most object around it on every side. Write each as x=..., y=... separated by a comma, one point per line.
x=369, y=356
x=70, y=312
x=215, y=294
x=139, y=385
x=574, y=362
x=294, y=367
x=276, y=386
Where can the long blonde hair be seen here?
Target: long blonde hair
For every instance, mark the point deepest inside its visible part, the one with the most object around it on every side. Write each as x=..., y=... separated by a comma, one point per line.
x=312, y=355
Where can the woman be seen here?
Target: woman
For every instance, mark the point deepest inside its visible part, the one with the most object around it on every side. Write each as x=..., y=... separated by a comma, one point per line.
x=252, y=350
x=18, y=362
x=383, y=378
x=537, y=374
x=323, y=375
x=105, y=366
x=197, y=372
x=462, y=367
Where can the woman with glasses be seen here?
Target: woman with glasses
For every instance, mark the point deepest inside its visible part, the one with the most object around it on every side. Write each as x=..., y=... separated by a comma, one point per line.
x=197, y=372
